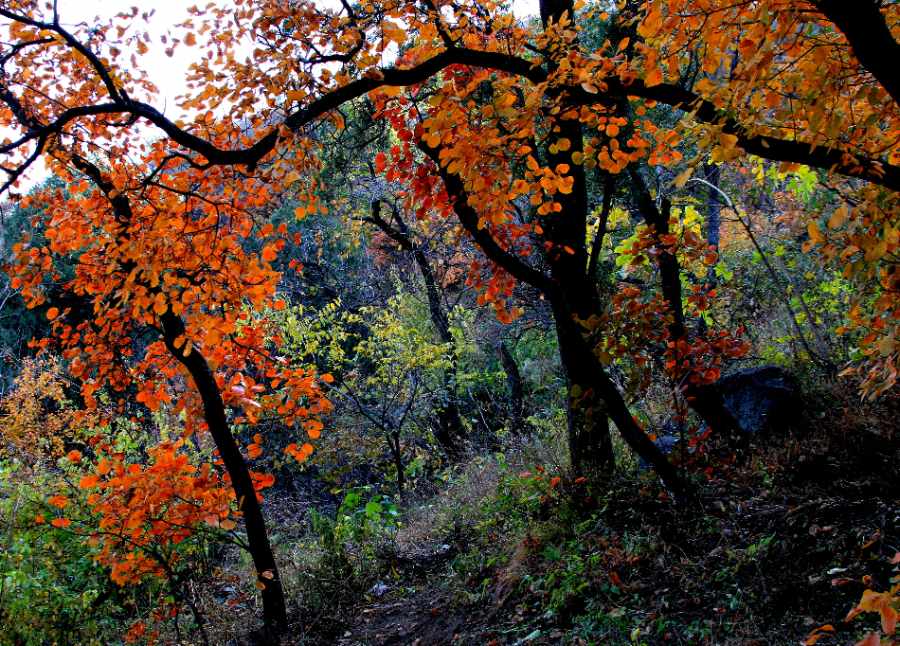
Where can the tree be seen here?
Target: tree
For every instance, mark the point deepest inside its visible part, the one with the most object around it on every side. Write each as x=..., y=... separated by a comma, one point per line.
x=500, y=126
x=451, y=431
x=168, y=286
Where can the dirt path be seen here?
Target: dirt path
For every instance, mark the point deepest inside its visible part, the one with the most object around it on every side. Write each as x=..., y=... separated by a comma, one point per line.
x=419, y=617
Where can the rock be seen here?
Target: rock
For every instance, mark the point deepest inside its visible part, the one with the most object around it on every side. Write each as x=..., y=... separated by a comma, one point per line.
x=667, y=439
x=761, y=399
x=669, y=435
x=667, y=443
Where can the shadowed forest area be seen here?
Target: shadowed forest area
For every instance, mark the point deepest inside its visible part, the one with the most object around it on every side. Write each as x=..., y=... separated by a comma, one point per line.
x=434, y=322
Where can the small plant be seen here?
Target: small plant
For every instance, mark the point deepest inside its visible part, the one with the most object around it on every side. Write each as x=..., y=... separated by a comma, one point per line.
x=350, y=541
x=886, y=604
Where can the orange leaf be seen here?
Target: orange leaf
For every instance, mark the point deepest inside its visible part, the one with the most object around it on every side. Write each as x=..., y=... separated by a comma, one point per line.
x=269, y=253
x=872, y=639
x=58, y=501
x=88, y=482
x=818, y=634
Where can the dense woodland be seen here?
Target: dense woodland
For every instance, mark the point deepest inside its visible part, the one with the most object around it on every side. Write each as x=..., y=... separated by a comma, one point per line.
x=434, y=322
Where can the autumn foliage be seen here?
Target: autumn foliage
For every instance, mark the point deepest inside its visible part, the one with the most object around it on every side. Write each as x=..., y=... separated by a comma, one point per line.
x=159, y=259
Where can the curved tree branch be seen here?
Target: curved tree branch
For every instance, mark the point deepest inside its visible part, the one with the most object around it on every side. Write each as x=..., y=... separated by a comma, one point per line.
x=866, y=29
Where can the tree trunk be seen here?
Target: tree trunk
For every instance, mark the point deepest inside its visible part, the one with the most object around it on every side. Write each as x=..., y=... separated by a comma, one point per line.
x=568, y=284
x=595, y=402
x=514, y=386
x=397, y=455
x=274, y=607
x=590, y=444
x=713, y=218
x=450, y=430
x=707, y=402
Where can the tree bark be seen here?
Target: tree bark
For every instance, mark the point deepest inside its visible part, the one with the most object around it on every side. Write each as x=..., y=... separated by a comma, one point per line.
x=572, y=296
x=397, y=455
x=870, y=38
x=272, y=593
x=514, y=385
x=173, y=328
x=590, y=444
x=713, y=218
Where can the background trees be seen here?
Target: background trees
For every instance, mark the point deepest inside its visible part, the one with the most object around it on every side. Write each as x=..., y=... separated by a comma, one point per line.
x=624, y=189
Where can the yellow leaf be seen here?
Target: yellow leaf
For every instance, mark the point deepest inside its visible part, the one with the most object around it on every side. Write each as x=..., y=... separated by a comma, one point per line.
x=838, y=218
x=815, y=234
x=818, y=634
x=727, y=141
x=653, y=77
x=876, y=252
x=683, y=177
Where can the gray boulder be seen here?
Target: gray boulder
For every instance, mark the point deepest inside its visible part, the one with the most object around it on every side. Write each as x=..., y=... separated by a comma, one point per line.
x=761, y=399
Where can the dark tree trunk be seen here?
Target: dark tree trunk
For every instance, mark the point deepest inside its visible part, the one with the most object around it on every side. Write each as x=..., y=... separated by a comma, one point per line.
x=598, y=401
x=590, y=444
x=514, y=385
x=707, y=402
x=572, y=297
x=274, y=608
x=870, y=38
x=397, y=455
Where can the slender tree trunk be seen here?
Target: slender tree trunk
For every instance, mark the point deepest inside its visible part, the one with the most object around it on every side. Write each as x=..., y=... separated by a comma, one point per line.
x=707, y=401
x=713, y=218
x=274, y=607
x=450, y=427
x=397, y=454
x=514, y=386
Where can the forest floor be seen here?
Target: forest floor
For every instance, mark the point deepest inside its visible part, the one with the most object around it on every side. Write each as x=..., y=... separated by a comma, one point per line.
x=753, y=568
x=785, y=543
x=778, y=542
